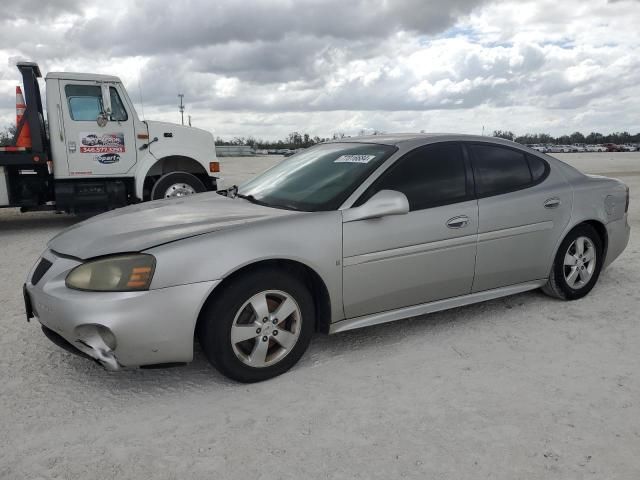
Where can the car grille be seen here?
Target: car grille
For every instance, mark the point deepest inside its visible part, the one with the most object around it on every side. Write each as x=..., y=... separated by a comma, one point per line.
x=40, y=270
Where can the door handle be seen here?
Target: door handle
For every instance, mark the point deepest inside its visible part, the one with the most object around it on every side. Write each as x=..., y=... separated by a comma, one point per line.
x=552, y=203
x=458, y=222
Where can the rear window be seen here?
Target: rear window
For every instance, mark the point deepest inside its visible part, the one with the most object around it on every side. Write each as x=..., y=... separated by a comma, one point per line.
x=499, y=170
x=538, y=167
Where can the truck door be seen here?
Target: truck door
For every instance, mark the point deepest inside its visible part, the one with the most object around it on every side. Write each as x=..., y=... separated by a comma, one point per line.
x=97, y=146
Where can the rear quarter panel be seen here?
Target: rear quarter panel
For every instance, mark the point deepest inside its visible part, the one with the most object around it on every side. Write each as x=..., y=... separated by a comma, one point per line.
x=600, y=199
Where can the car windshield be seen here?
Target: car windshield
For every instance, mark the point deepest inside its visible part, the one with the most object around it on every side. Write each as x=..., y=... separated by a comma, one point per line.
x=320, y=178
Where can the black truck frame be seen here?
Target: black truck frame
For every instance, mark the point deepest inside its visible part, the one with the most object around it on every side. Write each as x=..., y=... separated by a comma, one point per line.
x=29, y=172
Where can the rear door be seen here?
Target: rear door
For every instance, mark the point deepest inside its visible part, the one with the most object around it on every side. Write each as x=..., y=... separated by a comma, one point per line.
x=524, y=205
x=93, y=149
x=425, y=255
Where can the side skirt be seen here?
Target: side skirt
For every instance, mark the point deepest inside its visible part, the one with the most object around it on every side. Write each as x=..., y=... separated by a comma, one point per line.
x=431, y=307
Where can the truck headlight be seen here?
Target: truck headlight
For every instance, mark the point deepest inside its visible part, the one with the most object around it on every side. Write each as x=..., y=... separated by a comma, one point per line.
x=121, y=273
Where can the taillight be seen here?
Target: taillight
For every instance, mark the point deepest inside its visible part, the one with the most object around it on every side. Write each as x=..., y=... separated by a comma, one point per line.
x=626, y=205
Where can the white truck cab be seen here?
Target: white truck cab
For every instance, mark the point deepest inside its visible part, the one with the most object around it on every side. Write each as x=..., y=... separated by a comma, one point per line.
x=99, y=154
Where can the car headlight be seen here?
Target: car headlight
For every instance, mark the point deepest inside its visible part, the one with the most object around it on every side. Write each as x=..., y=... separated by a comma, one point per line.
x=121, y=273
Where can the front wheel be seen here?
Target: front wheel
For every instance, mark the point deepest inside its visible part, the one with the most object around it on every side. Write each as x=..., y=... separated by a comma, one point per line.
x=577, y=264
x=176, y=184
x=258, y=326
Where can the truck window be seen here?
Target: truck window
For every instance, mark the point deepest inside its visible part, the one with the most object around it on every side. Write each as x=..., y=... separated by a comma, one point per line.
x=118, y=112
x=85, y=102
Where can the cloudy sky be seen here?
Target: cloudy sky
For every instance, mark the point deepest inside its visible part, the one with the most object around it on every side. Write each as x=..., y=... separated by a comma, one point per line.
x=266, y=68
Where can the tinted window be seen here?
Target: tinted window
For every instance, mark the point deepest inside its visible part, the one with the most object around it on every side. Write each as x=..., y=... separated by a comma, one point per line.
x=85, y=102
x=118, y=112
x=499, y=169
x=429, y=176
x=537, y=166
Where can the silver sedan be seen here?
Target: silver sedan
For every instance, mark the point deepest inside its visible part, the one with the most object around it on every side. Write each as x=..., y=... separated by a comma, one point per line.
x=343, y=235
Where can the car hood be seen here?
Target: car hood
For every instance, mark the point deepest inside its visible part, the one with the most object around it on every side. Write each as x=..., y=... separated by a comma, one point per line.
x=139, y=227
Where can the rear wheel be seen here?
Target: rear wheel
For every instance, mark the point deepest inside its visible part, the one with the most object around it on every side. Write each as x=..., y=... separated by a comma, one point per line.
x=258, y=326
x=177, y=184
x=577, y=264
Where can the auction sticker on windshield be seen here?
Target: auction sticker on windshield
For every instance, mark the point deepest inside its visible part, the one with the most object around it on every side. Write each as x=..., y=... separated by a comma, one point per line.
x=354, y=159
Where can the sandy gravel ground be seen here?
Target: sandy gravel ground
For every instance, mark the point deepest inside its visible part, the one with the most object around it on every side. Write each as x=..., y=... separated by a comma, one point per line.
x=522, y=387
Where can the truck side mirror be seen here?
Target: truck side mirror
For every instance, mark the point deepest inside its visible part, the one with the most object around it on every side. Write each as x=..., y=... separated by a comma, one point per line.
x=102, y=120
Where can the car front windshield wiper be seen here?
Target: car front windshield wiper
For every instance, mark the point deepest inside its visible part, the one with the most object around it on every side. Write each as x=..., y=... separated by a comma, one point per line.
x=230, y=192
x=253, y=199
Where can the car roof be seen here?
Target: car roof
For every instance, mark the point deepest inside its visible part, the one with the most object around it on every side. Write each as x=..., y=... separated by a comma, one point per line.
x=404, y=139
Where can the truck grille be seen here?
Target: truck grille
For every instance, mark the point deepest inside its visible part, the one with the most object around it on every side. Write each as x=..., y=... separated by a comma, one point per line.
x=40, y=270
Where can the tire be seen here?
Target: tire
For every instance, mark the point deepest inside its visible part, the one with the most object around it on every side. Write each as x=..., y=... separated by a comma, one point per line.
x=571, y=282
x=176, y=184
x=231, y=312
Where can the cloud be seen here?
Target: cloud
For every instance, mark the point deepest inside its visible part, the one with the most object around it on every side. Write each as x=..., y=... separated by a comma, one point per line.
x=146, y=27
x=267, y=67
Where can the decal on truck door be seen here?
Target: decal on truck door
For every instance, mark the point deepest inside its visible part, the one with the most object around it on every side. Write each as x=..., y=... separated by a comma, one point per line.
x=91, y=142
x=107, y=158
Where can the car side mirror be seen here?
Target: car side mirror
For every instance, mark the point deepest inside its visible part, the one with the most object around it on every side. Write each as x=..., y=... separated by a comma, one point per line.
x=382, y=204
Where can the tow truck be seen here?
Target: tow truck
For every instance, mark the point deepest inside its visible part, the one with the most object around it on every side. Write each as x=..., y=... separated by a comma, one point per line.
x=97, y=154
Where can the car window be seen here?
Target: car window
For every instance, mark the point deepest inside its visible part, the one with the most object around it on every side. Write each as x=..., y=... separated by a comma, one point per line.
x=429, y=176
x=499, y=170
x=538, y=167
x=85, y=102
x=319, y=178
x=118, y=112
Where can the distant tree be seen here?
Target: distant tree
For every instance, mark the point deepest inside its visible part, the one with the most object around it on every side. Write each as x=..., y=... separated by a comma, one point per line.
x=503, y=134
x=594, y=137
x=545, y=138
x=577, y=137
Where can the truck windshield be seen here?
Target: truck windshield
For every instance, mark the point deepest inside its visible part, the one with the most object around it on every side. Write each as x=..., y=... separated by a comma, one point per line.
x=318, y=179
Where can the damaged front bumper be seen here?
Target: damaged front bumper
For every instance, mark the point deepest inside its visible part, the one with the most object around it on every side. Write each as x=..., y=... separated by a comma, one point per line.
x=116, y=329
x=105, y=358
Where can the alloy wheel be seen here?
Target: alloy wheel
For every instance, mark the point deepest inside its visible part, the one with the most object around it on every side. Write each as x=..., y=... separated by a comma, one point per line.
x=266, y=328
x=579, y=262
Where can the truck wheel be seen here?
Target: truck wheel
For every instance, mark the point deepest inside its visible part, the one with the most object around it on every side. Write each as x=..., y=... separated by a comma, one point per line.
x=176, y=184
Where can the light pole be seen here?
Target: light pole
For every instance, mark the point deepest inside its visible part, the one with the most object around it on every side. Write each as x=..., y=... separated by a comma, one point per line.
x=181, y=107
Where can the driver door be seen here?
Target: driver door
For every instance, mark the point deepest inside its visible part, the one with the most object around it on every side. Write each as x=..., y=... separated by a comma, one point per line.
x=426, y=255
x=93, y=149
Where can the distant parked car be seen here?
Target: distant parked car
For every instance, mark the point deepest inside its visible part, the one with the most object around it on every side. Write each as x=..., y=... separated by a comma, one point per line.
x=539, y=147
x=612, y=147
x=554, y=149
x=579, y=147
x=629, y=148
